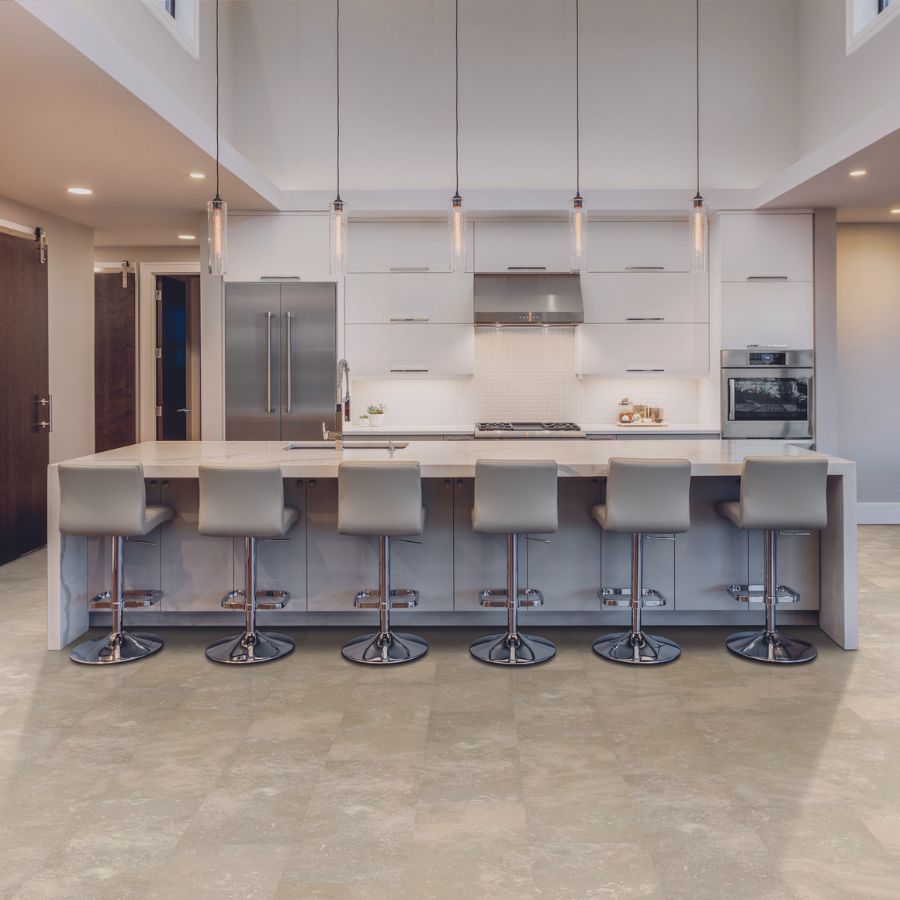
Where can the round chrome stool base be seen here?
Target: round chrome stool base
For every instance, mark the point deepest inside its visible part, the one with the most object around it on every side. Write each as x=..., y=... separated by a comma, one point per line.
x=244, y=649
x=770, y=647
x=126, y=646
x=504, y=650
x=639, y=649
x=384, y=649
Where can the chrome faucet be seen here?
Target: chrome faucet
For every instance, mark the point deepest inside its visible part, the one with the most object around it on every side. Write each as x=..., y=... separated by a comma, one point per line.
x=341, y=405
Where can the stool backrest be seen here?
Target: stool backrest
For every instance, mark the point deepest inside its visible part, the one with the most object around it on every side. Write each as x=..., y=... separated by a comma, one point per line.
x=102, y=500
x=377, y=498
x=784, y=492
x=515, y=497
x=241, y=501
x=648, y=495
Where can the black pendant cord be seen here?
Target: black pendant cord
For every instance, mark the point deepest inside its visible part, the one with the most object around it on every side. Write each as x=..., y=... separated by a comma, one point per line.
x=577, y=103
x=337, y=80
x=218, y=198
x=697, y=76
x=456, y=77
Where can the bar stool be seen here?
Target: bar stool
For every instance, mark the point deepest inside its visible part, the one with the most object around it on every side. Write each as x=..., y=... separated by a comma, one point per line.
x=111, y=501
x=514, y=498
x=383, y=500
x=247, y=502
x=776, y=494
x=643, y=496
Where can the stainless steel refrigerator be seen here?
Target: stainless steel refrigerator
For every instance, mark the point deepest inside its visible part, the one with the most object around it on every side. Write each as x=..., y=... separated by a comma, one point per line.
x=280, y=361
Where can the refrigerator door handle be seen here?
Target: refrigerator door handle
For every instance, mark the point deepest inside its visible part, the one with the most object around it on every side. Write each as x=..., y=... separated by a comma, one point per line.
x=269, y=317
x=289, y=366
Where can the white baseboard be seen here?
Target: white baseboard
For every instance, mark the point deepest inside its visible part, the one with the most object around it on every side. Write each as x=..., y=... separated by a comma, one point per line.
x=878, y=513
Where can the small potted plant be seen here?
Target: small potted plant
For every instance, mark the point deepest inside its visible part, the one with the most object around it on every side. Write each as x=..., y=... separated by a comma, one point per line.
x=363, y=421
x=376, y=414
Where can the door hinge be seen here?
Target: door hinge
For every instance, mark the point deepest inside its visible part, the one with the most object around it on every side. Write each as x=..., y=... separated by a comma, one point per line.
x=158, y=410
x=158, y=353
x=41, y=237
x=158, y=295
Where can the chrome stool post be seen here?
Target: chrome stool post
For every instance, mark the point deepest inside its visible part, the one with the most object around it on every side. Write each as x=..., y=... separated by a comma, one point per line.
x=110, y=501
x=233, y=501
x=643, y=496
x=384, y=501
x=775, y=494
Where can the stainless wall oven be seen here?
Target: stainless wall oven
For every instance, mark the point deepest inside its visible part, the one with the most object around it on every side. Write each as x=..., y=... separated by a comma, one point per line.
x=767, y=393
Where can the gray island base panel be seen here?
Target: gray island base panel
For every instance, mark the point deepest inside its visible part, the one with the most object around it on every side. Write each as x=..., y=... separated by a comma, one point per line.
x=323, y=570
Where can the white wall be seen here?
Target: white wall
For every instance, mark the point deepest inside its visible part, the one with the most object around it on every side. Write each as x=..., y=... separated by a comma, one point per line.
x=184, y=253
x=868, y=325
x=70, y=289
x=837, y=90
x=517, y=92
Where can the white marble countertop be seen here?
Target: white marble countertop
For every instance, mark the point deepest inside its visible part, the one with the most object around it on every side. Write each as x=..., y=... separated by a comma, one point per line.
x=597, y=428
x=450, y=459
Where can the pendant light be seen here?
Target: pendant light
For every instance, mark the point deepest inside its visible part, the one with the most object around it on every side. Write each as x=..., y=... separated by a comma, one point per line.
x=577, y=212
x=217, y=209
x=699, y=219
x=338, y=216
x=457, y=215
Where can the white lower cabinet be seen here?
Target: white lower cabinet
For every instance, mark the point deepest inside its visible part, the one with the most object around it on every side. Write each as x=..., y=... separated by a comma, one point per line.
x=656, y=349
x=278, y=246
x=664, y=297
x=397, y=298
x=417, y=350
x=767, y=315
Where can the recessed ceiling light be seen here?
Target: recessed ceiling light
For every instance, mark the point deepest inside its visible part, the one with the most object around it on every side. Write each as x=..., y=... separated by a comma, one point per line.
x=857, y=173
x=895, y=212
x=198, y=175
x=79, y=190
x=187, y=237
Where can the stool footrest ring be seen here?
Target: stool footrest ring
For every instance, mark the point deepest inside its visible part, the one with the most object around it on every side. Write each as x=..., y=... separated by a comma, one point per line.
x=621, y=597
x=497, y=598
x=401, y=598
x=130, y=599
x=756, y=593
x=264, y=600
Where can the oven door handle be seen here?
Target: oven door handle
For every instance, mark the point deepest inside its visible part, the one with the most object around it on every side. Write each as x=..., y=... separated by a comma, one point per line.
x=731, y=399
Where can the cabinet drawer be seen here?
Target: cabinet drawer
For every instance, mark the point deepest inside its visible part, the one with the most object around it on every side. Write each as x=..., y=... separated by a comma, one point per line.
x=399, y=247
x=442, y=298
x=411, y=351
x=656, y=350
x=663, y=297
x=522, y=247
x=762, y=247
x=638, y=247
x=771, y=314
x=288, y=245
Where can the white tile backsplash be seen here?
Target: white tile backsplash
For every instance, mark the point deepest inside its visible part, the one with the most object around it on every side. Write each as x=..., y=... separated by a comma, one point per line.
x=521, y=374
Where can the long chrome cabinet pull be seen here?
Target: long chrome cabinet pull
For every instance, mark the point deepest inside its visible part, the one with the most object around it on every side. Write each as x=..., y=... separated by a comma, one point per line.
x=289, y=363
x=409, y=268
x=645, y=370
x=408, y=370
x=269, y=317
x=526, y=268
x=767, y=278
x=645, y=268
x=409, y=318
x=645, y=319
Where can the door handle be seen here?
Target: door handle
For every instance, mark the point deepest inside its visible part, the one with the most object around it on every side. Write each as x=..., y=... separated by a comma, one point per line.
x=289, y=365
x=269, y=407
x=185, y=410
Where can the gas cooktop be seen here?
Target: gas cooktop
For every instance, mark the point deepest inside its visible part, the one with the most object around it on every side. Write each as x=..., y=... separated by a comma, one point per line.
x=528, y=430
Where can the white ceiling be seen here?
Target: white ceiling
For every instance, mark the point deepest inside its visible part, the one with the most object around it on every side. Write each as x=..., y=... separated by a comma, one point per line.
x=65, y=122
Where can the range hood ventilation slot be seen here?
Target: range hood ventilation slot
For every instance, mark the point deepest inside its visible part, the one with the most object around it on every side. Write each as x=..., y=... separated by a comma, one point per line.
x=528, y=299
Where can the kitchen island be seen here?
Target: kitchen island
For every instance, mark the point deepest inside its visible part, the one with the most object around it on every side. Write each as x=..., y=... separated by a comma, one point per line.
x=323, y=570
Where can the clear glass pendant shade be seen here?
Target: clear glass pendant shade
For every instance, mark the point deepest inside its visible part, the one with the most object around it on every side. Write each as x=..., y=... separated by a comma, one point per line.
x=217, y=235
x=578, y=229
x=457, y=222
x=699, y=229
x=338, y=237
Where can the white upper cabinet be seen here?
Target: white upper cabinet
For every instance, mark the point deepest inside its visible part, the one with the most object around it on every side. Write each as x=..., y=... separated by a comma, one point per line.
x=762, y=247
x=657, y=297
x=409, y=298
x=410, y=351
x=638, y=247
x=659, y=350
x=522, y=247
x=771, y=314
x=278, y=245
x=398, y=247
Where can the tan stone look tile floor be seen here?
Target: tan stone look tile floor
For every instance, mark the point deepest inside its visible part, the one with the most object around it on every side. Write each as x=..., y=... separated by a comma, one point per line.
x=314, y=778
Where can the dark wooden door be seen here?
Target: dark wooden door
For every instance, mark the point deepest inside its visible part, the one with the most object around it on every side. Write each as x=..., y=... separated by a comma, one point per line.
x=115, y=380
x=25, y=409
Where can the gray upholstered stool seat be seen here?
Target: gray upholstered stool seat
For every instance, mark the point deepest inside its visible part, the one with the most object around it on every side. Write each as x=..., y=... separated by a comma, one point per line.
x=247, y=502
x=514, y=498
x=643, y=496
x=110, y=501
x=776, y=493
x=382, y=500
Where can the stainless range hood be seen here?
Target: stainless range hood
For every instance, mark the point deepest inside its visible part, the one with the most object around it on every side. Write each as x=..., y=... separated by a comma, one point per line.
x=544, y=298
